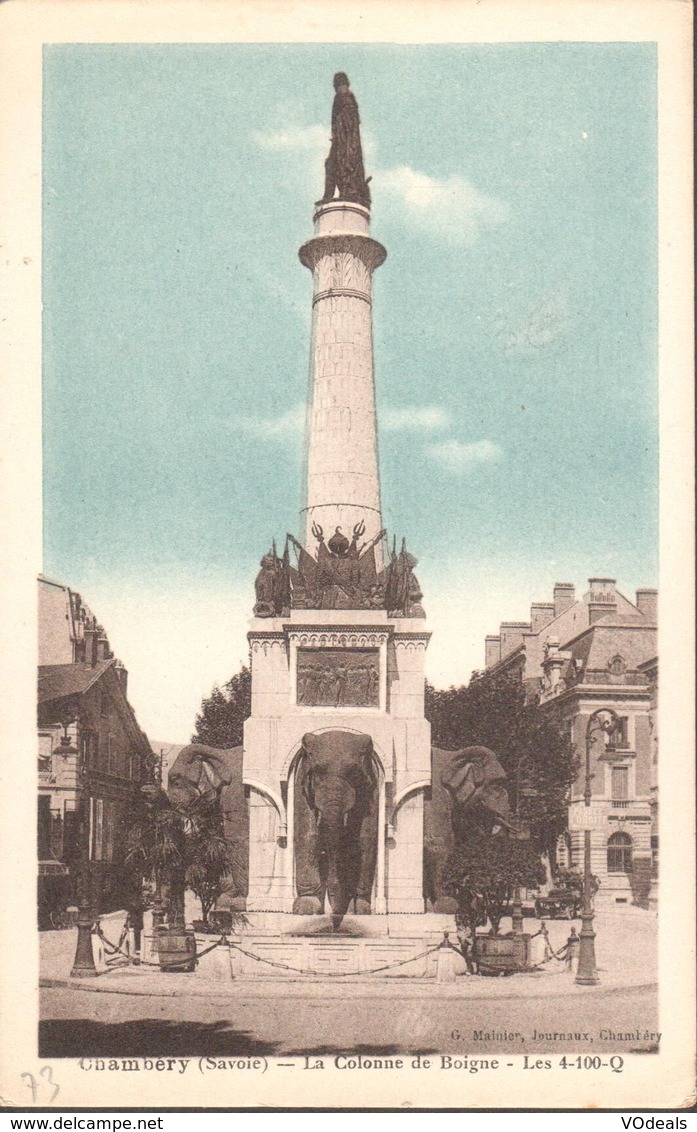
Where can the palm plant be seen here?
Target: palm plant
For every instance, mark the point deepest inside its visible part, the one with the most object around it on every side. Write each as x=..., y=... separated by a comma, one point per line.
x=208, y=859
x=182, y=844
x=157, y=841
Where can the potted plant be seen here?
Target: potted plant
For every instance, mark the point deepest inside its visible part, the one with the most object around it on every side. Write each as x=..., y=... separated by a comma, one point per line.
x=482, y=874
x=208, y=863
x=157, y=842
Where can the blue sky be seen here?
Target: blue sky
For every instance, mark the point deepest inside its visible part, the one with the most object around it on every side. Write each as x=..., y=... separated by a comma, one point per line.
x=515, y=325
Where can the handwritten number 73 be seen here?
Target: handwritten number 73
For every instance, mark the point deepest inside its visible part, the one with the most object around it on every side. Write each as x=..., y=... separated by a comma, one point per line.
x=46, y=1073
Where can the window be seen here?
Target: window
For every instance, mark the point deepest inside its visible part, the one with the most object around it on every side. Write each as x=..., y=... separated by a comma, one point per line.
x=90, y=747
x=617, y=666
x=619, y=853
x=70, y=831
x=45, y=750
x=96, y=828
x=109, y=830
x=620, y=737
x=103, y=820
x=620, y=783
x=111, y=755
x=44, y=827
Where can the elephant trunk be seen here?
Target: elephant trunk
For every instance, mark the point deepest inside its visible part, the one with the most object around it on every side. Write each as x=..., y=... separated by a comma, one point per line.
x=334, y=847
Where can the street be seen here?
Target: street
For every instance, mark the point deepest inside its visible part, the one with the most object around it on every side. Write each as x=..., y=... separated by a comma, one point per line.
x=79, y=1023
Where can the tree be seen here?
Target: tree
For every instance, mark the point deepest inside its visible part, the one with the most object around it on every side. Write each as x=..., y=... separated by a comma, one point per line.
x=221, y=718
x=157, y=841
x=533, y=746
x=181, y=845
x=481, y=874
x=208, y=859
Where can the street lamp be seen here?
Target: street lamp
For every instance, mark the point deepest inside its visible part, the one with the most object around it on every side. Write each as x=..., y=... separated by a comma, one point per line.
x=83, y=963
x=522, y=833
x=158, y=906
x=602, y=721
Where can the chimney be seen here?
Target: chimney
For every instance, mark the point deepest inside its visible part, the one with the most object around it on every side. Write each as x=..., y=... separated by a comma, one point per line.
x=492, y=651
x=91, y=646
x=647, y=604
x=564, y=596
x=602, y=599
x=122, y=673
x=541, y=613
x=511, y=634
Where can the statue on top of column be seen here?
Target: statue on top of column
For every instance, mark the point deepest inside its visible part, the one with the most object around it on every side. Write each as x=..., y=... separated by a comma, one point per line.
x=344, y=166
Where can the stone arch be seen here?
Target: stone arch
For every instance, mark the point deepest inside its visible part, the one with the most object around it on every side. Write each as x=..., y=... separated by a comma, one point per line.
x=270, y=793
x=413, y=788
x=383, y=764
x=289, y=770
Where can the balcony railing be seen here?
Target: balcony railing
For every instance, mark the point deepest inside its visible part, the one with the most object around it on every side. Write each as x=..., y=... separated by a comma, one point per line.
x=620, y=805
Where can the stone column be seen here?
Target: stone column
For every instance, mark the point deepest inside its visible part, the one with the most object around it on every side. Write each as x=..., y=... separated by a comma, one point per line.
x=342, y=483
x=406, y=857
x=380, y=898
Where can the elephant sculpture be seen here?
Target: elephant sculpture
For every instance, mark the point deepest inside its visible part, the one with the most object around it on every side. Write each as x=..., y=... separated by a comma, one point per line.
x=468, y=798
x=199, y=769
x=336, y=823
x=336, y=817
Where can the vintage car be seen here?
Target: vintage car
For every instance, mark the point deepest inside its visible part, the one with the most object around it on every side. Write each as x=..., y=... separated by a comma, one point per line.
x=558, y=904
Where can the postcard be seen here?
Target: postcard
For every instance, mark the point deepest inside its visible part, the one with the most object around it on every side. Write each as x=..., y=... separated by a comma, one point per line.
x=346, y=488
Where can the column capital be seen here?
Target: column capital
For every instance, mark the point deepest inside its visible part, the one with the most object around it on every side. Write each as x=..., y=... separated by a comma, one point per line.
x=369, y=251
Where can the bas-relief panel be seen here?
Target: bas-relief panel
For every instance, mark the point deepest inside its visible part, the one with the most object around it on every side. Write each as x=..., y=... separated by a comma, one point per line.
x=338, y=677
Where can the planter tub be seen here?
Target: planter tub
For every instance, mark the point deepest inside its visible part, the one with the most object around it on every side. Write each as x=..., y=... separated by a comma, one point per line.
x=221, y=920
x=176, y=948
x=496, y=955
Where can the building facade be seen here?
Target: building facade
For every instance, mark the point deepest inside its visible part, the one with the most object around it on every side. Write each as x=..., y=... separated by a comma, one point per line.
x=93, y=756
x=591, y=656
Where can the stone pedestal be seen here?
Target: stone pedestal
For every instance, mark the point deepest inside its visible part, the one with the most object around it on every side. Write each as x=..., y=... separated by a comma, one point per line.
x=396, y=725
x=276, y=957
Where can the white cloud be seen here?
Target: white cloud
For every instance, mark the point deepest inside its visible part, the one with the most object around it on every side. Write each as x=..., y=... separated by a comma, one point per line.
x=452, y=206
x=301, y=139
x=456, y=456
x=287, y=425
x=414, y=418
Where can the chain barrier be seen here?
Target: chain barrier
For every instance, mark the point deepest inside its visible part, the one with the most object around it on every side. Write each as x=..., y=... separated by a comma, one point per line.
x=113, y=950
x=560, y=955
x=185, y=962
x=341, y=974
x=302, y=970
x=114, y=955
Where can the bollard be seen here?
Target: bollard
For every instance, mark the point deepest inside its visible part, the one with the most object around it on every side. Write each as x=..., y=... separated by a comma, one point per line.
x=445, y=961
x=573, y=948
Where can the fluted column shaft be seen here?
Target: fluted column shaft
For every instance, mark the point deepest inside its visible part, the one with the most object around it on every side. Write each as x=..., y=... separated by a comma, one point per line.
x=343, y=484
